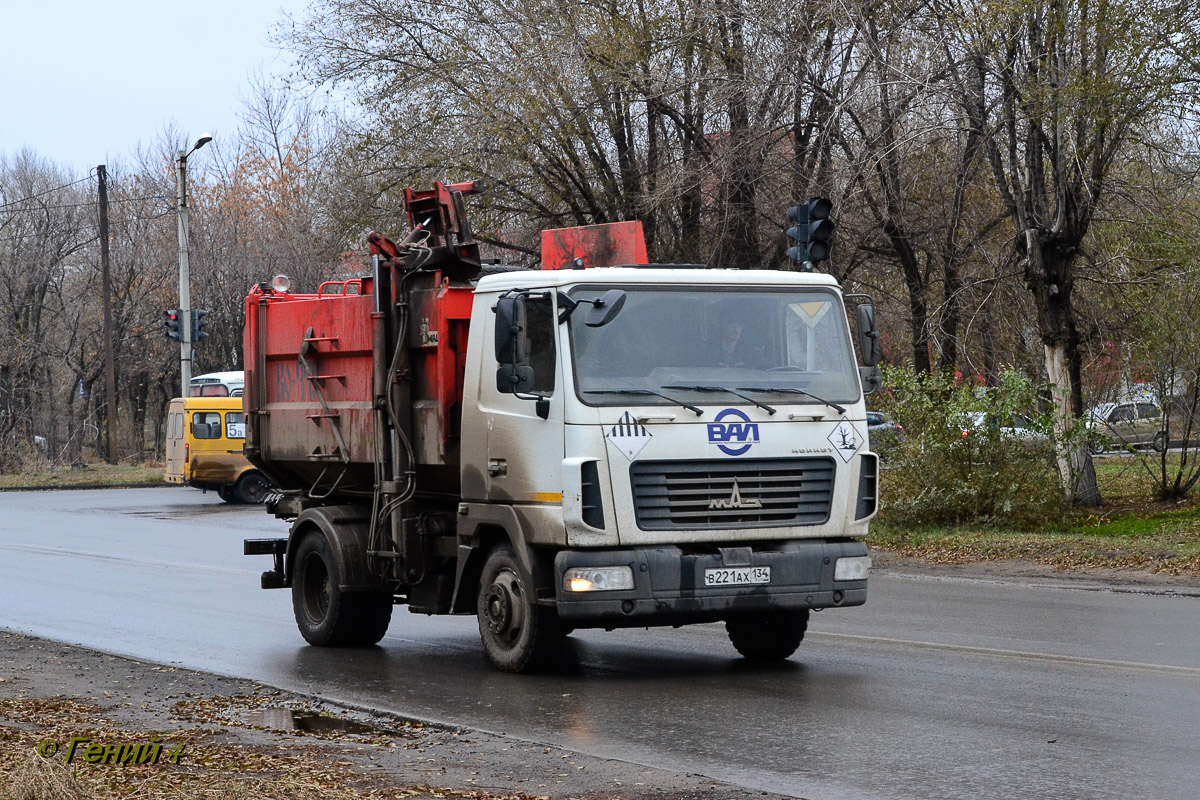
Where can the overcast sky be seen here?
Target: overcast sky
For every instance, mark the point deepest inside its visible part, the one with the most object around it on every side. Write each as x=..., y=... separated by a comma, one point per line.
x=82, y=82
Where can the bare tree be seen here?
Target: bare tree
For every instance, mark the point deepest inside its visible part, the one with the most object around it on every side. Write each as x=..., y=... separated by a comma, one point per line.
x=1056, y=90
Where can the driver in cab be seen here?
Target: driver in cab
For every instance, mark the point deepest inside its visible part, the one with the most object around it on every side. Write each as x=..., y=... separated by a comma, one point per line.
x=730, y=347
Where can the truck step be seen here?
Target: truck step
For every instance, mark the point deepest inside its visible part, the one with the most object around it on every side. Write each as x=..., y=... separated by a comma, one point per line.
x=264, y=547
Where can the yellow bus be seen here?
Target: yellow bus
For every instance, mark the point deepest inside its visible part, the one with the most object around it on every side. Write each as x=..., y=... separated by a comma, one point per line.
x=205, y=436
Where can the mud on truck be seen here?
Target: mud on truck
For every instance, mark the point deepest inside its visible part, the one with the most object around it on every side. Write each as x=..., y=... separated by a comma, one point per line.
x=599, y=443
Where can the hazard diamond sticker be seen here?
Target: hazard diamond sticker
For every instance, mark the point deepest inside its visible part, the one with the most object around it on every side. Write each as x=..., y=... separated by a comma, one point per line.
x=846, y=440
x=629, y=436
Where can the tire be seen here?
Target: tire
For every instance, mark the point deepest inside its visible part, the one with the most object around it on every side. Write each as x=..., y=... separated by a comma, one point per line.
x=374, y=615
x=326, y=616
x=228, y=493
x=1096, y=448
x=253, y=488
x=1160, y=442
x=768, y=637
x=518, y=635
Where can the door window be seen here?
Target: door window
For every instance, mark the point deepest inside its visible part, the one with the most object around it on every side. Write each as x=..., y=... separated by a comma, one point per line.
x=1122, y=414
x=541, y=327
x=1149, y=411
x=235, y=425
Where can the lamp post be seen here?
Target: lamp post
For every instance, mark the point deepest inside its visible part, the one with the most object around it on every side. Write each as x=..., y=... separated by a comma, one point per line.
x=185, y=278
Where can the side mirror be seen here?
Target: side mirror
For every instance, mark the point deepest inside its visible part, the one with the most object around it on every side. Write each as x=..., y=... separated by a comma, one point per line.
x=511, y=344
x=868, y=335
x=605, y=309
x=515, y=375
x=872, y=379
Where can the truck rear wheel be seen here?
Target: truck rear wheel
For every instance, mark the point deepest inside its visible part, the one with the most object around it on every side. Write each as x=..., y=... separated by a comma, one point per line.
x=325, y=615
x=768, y=637
x=518, y=635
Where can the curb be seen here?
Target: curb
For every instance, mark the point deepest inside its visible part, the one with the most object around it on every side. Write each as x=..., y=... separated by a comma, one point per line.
x=154, y=485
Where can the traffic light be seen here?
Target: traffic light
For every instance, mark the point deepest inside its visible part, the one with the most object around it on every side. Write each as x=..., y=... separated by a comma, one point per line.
x=175, y=324
x=811, y=232
x=198, y=324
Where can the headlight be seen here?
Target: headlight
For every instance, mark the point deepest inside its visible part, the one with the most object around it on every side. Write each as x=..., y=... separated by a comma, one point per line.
x=852, y=569
x=597, y=579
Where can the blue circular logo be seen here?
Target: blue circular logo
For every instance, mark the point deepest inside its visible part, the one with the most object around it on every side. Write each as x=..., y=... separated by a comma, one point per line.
x=728, y=435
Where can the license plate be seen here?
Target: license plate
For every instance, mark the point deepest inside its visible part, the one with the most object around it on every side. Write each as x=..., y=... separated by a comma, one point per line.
x=737, y=576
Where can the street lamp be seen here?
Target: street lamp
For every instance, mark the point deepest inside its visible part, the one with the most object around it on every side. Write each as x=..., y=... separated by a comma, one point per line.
x=185, y=278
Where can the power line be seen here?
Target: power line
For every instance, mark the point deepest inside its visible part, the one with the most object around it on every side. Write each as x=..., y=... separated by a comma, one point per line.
x=88, y=177
x=78, y=205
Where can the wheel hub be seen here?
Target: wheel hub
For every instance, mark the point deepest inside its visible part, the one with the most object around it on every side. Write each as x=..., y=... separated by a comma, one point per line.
x=498, y=603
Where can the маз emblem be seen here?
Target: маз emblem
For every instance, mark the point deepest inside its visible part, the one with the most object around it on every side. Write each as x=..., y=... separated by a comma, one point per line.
x=735, y=500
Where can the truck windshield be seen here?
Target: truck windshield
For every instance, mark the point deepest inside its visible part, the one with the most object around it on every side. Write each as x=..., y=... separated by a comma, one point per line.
x=772, y=341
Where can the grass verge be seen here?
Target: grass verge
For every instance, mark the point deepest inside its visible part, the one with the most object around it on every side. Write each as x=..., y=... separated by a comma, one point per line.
x=91, y=476
x=1131, y=531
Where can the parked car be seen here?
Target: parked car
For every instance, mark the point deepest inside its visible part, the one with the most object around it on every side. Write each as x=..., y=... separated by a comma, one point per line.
x=882, y=431
x=1018, y=427
x=1134, y=423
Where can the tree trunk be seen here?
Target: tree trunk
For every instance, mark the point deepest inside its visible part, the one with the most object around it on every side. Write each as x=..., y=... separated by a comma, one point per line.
x=991, y=361
x=951, y=286
x=1076, y=470
x=914, y=281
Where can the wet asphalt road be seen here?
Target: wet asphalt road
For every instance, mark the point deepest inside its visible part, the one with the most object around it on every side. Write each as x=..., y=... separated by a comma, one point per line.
x=935, y=689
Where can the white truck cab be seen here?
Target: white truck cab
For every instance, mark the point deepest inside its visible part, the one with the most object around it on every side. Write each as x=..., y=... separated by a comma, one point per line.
x=700, y=452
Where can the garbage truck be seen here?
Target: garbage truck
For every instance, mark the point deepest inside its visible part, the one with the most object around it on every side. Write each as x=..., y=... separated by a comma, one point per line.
x=597, y=443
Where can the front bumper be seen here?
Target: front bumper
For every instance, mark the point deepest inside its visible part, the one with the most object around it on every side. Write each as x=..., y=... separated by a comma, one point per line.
x=669, y=583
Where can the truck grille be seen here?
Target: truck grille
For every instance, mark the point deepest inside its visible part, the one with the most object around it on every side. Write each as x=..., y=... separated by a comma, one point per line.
x=755, y=493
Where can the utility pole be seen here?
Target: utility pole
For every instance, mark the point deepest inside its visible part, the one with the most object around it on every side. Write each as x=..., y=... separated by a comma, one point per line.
x=110, y=364
x=185, y=278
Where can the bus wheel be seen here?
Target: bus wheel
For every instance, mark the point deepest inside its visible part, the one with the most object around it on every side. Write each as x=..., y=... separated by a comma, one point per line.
x=253, y=488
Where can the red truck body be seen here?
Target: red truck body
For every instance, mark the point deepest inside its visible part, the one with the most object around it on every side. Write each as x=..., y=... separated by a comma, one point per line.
x=310, y=381
x=317, y=366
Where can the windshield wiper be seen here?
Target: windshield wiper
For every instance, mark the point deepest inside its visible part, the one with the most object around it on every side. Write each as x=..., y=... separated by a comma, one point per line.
x=834, y=406
x=733, y=392
x=699, y=413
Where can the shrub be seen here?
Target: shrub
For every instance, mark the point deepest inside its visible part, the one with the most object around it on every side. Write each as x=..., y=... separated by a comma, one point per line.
x=962, y=459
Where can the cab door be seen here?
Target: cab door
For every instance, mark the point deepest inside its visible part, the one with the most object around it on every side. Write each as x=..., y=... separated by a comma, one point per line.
x=524, y=449
x=1149, y=422
x=1122, y=422
x=211, y=459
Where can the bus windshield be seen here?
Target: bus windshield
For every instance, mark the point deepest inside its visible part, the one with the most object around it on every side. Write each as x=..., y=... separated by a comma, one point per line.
x=784, y=344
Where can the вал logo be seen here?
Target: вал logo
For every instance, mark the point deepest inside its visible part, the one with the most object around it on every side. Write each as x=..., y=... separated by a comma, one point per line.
x=723, y=434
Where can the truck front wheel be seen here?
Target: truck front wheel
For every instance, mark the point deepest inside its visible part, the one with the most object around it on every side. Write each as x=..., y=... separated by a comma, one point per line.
x=518, y=635
x=325, y=615
x=768, y=637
